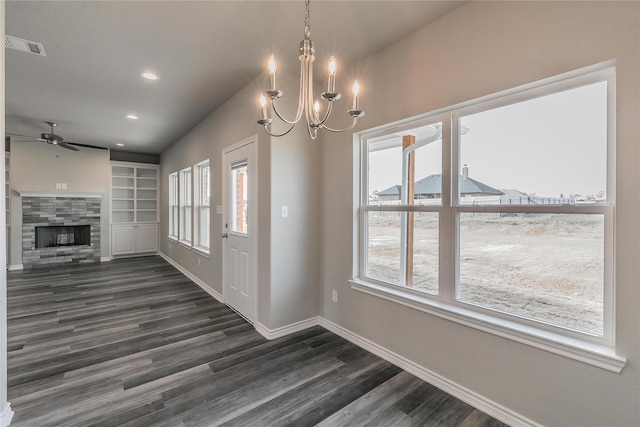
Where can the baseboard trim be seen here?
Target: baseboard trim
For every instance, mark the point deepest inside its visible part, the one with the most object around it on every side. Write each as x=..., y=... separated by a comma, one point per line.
x=105, y=259
x=487, y=406
x=193, y=278
x=282, y=331
x=13, y=267
x=6, y=415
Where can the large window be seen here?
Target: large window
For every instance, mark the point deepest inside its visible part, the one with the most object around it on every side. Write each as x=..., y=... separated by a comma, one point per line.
x=173, y=206
x=185, y=206
x=202, y=207
x=499, y=212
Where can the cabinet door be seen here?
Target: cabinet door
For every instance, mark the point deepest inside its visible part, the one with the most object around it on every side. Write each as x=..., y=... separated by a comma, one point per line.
x=147, y=237
x=123, y=239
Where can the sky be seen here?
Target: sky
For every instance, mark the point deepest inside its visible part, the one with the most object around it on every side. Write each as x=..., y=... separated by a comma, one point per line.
x=547, y=146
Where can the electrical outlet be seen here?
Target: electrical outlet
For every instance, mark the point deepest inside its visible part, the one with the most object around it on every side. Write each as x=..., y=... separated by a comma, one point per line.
x=284, y=210
x=334, y=296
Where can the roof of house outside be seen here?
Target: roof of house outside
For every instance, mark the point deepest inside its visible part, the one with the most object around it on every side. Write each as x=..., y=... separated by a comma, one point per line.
x=432, y=185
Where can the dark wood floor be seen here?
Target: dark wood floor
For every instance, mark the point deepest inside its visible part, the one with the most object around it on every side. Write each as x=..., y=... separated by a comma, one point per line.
x=133, y=342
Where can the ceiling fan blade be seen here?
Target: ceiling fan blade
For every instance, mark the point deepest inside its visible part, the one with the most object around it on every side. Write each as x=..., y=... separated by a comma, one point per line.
x=25, y=139
x=77, y=144
x=30, y=138
x=67, y=146
x=18, y=135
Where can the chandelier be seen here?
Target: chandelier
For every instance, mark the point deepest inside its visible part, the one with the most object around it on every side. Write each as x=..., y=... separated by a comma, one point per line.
x=306, y=104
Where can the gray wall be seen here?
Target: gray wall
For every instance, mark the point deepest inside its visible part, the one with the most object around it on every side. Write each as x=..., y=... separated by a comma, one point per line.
x=479, y=49
x=39, y=166
x=287, y=175
x=294, y=239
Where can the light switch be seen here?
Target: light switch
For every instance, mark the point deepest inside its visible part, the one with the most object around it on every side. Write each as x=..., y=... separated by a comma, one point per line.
x=219, y=209
x=285, y=211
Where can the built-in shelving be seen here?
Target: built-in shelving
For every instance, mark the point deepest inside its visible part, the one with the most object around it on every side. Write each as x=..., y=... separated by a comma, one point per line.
x=134, y=193
x=134, y=208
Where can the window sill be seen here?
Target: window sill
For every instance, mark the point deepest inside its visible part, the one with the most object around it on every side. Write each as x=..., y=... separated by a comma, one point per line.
x=593, y=354
x=185, y=243
x=202, y=251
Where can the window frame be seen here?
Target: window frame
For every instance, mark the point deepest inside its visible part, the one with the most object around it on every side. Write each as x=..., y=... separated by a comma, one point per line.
x=173, y=206
x=199, y=205
x=596, y=350
x=186, y=207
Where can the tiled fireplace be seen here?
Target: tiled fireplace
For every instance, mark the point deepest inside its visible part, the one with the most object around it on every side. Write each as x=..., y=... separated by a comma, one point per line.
x=72, y=230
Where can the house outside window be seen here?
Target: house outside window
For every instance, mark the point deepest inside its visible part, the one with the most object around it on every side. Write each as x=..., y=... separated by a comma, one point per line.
x=239, y=197
x=173, y=206
x=499, y=212
x=202, y=207
x=185, y=207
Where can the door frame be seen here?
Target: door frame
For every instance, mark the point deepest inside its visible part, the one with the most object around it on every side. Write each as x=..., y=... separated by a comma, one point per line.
x=252, y=220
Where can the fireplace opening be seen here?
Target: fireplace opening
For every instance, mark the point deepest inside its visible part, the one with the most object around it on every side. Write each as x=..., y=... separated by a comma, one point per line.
x=53, y=236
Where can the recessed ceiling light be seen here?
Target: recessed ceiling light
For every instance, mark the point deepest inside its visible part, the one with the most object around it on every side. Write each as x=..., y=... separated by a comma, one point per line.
x=132, y=117
x=148, y=75
x=120, y=144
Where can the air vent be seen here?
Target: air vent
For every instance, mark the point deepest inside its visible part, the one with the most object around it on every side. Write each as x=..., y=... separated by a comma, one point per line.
x=24, y=45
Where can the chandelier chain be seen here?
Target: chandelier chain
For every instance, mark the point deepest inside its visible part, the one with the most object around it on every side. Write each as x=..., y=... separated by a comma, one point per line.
x=307, y=28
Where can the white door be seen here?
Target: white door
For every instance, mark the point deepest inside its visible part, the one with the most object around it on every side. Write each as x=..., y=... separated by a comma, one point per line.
x=239, y=228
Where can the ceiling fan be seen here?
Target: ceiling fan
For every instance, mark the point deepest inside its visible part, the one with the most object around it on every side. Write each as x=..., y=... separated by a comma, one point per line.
x=52, y=138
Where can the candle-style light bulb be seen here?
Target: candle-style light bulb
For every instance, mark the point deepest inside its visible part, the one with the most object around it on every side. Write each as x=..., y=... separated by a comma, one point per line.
x=356, y=90
x=316, y=107
x=272, y=72
x=272, y=64
x=263, y=104
x=332, y=75
x=332, y=66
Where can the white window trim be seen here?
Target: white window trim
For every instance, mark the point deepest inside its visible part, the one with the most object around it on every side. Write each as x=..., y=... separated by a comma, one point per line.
x=173, y=202
x=596, y=351
x=182, y=237
x=197, y=206
x=594, y=354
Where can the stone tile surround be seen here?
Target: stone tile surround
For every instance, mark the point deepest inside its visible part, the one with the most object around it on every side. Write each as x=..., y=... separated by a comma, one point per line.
x=62, y=211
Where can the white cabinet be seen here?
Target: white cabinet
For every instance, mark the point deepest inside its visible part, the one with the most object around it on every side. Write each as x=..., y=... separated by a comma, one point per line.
x=134, y=208
x=147, y=238
x=130, y=239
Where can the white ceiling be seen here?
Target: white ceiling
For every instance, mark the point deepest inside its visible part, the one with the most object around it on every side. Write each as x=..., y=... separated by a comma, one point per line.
x=203, y=51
